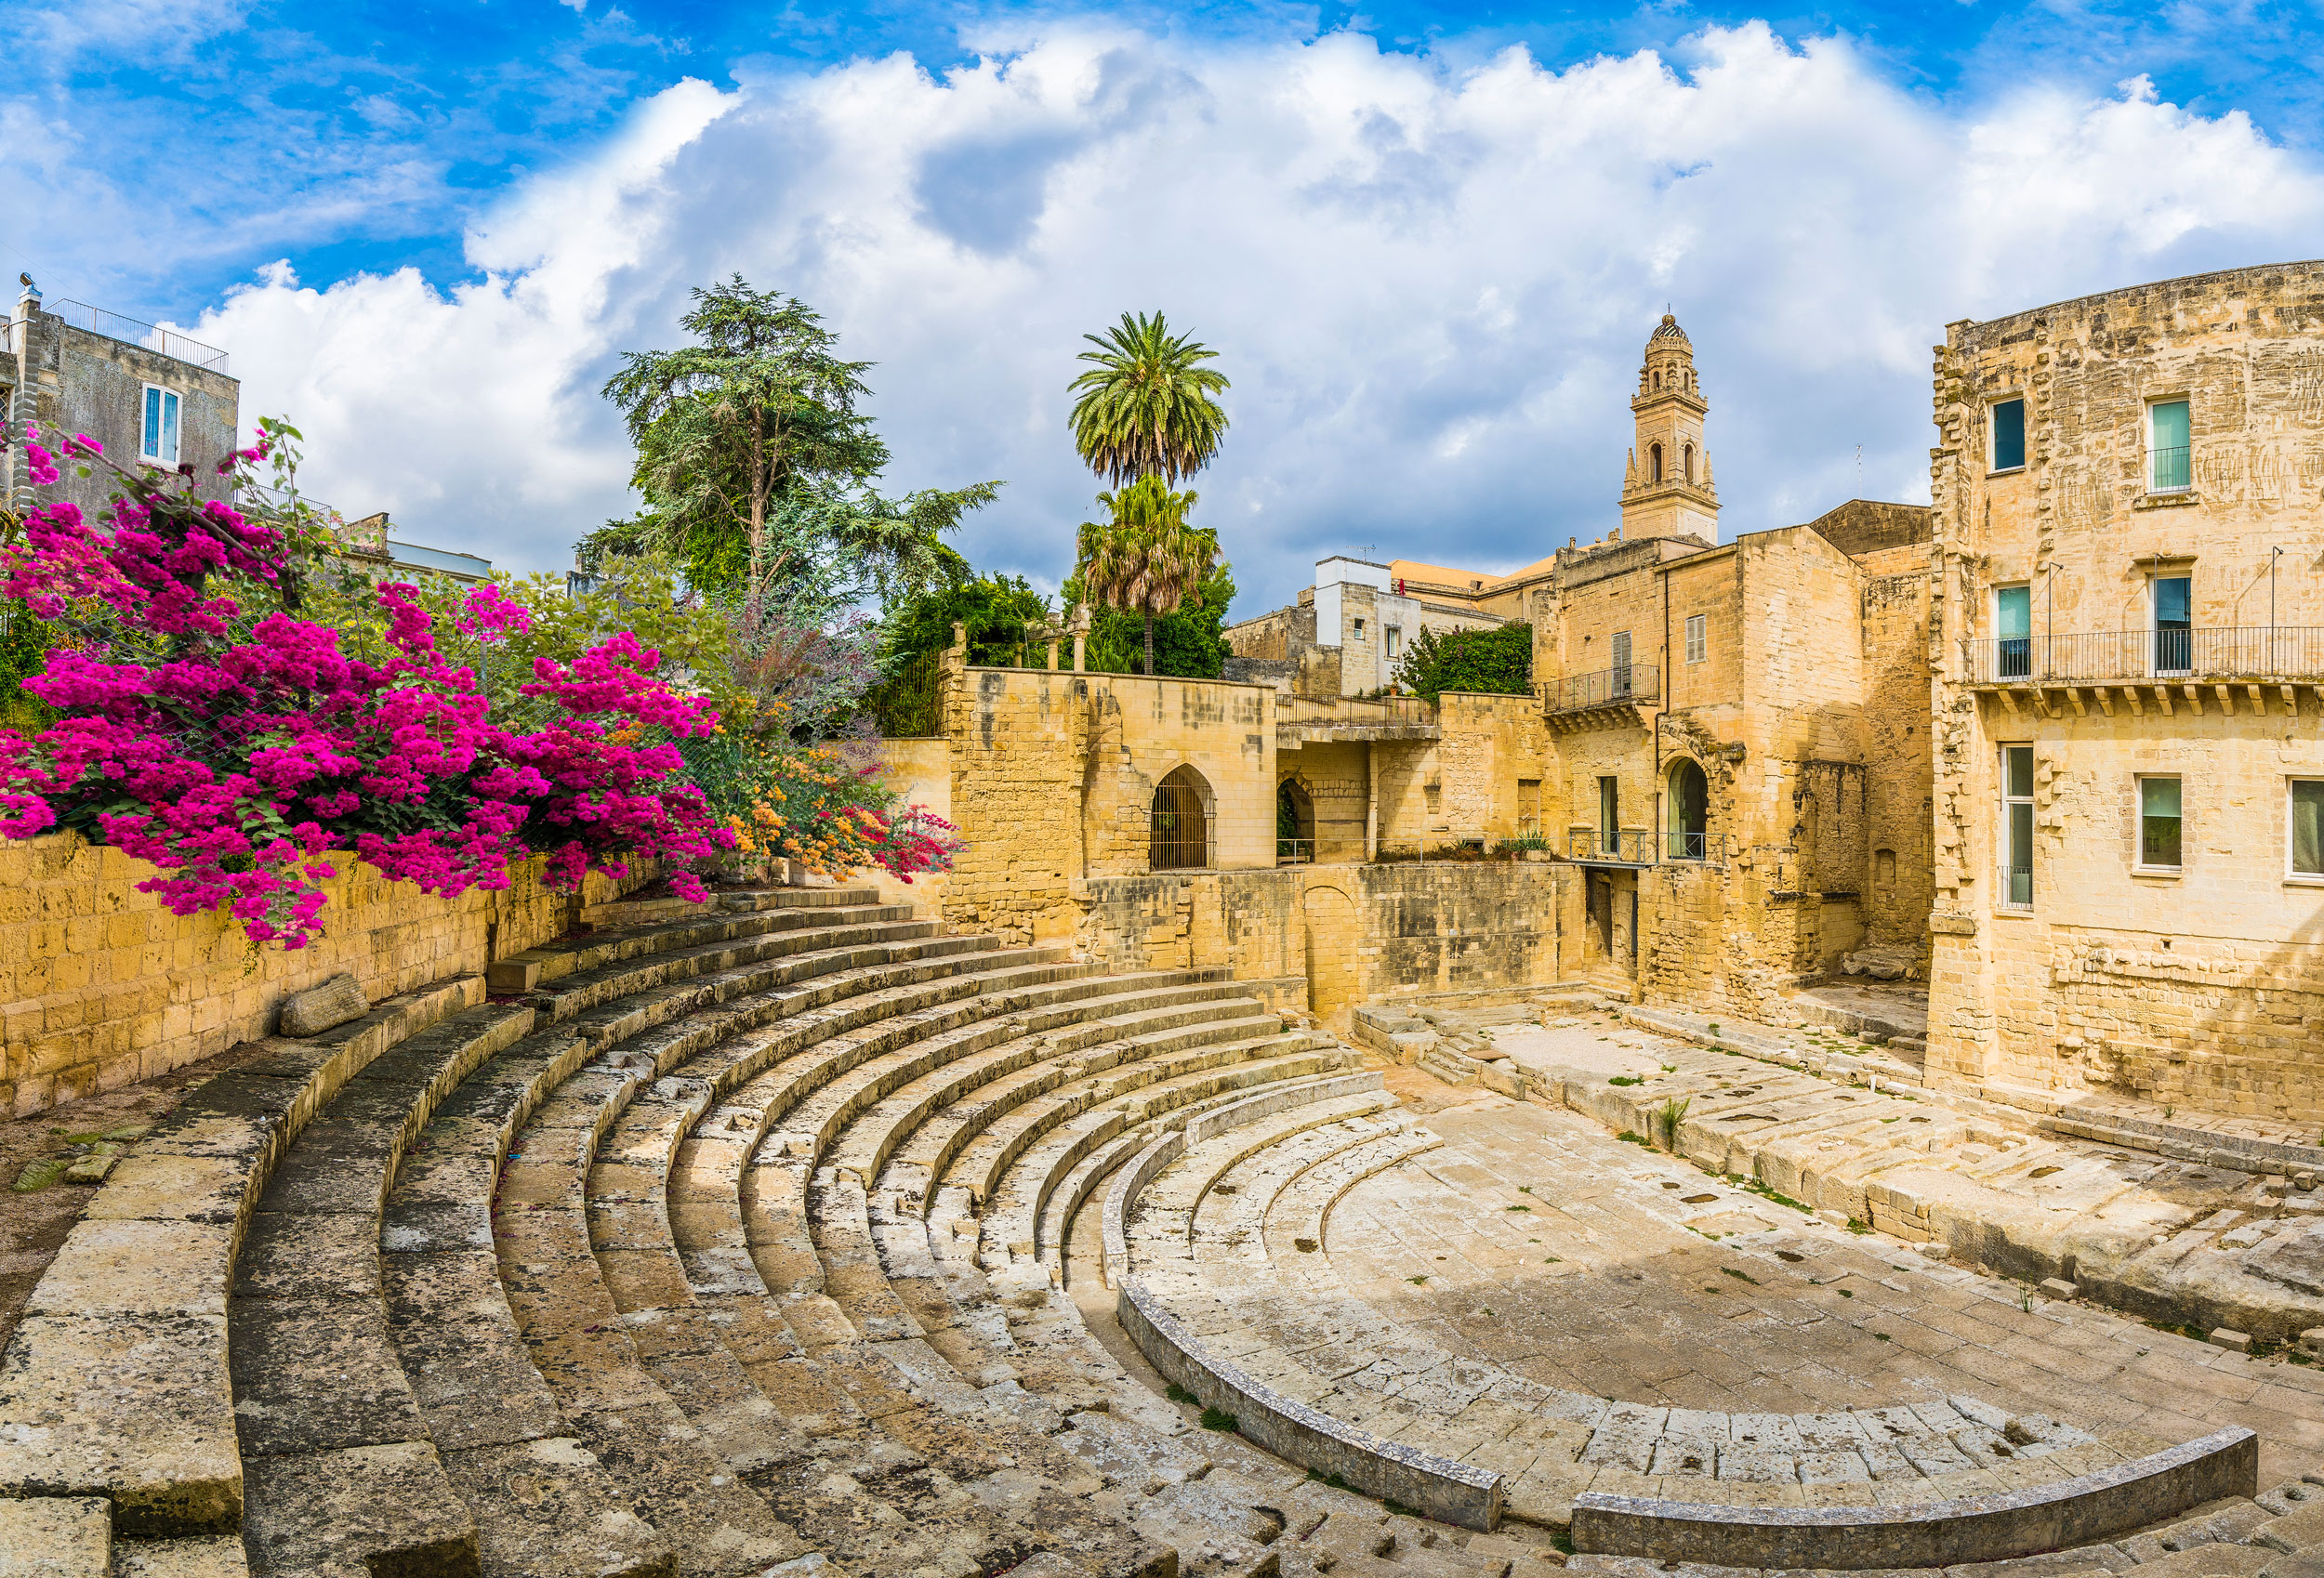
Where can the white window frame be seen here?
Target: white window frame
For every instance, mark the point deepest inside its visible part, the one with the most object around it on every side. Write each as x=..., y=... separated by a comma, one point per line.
x=2138, y=832
x=1992, y=437
x=2151, y=447
x=1697, y=638
x=1394, y=647
x=2002, y=899
x=2292, y=873
x=173, y=403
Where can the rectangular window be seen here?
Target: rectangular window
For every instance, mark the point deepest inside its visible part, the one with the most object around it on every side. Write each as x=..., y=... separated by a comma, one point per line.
x=2167, y=447
x=2012, y=630
x=1359, y=630
x=157, y=439
x=1619, y=686
x=1395, y=640
x=2158, y=824
x=2017, y=825
x=1697, y=638
x=1609, y=813
x=2307, y=827
x=2009, y=435
x=2173, y=601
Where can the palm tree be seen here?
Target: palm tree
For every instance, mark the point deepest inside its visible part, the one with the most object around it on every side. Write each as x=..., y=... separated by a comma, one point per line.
x=1146, y=560
x=1146, y=409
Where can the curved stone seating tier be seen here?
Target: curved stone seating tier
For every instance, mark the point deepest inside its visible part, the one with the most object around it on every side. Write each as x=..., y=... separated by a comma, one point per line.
x=1226, y=1288
x=117, y=1383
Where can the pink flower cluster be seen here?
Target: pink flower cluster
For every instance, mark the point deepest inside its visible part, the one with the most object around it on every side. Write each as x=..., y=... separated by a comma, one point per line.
x=236, y=762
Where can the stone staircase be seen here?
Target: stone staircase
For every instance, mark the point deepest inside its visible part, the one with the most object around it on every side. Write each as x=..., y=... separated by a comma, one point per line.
x=734, y=1242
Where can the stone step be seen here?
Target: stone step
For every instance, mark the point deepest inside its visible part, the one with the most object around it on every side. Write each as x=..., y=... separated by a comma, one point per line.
x=117, y=1382
x=320, y=1400
x=554, y=1494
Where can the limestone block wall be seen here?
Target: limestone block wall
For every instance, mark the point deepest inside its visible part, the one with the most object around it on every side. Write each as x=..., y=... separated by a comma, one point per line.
x=102, y=987
x=1018, y=745
x=1351, y=933
x=1488, y=745
x=2198, y=986
x=1336, y=778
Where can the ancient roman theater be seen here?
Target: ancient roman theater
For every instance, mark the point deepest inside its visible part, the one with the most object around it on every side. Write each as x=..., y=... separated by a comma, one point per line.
x=1828, y=1081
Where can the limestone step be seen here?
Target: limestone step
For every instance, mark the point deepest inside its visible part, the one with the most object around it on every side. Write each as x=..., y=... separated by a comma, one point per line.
x=320, y=1400
x=117, y=1382
x=554, y=1494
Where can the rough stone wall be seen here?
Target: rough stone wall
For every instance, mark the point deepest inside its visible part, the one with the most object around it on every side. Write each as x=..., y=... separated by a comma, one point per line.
x=1053, y=778
x=1351, y=933
x=1898, y=883
x=103, y=987
x=2194, y=985
x=1488, y=744
x=72, y=381
x=1019, y=747
x=1277, y=637
x=1337, y=784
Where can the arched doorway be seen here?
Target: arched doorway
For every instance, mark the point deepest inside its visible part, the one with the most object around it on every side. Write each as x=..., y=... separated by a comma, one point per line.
x=1295, y=825
x=1179, y=830
x=1690, y=813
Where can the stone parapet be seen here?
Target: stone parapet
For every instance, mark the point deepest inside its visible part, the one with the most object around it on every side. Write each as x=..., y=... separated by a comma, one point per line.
x=2079, y=1511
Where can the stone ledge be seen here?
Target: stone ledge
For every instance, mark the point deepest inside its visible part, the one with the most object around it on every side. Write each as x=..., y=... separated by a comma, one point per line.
x=1436, y=1486
x=2085, y=1509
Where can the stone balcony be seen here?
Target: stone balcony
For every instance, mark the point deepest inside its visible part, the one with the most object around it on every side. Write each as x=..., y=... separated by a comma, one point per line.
x=2260, y=667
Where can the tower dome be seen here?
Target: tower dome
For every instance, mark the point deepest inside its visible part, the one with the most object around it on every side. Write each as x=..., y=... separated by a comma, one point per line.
x=1669, y=330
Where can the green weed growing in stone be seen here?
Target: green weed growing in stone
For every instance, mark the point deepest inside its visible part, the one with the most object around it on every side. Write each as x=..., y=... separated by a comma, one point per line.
x=1177, y=1393
x=1883, y=1337
x=1516, y=1208
x=1856, y=1227
x=1631, y=1137
x=1845, y=1292
x=1416, y=1282
x=1740, y=1276
x=1626, y=1079
x=1668, y=1117
x=1714, y=1030
x=1220, y=1419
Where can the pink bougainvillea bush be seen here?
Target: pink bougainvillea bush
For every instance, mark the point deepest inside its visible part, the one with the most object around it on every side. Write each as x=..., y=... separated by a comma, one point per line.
x=236, y=750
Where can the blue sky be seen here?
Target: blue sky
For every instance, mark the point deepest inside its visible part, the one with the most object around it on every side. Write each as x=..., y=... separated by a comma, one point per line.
x=1427, y=238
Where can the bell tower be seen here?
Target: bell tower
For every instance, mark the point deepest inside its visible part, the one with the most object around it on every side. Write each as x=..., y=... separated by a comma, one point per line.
x=1666, y=488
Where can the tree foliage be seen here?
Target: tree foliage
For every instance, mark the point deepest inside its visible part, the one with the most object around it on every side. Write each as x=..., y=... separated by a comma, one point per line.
x=1148, y=407
x=1004, y=616
x=757, y=464
x=1498, y=662
x=1189, y=643
x=1145, y=559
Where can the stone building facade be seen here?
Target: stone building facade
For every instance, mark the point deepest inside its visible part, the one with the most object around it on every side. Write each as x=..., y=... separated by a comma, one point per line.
x=2128, y=772
x=153, y=399
x=1717, y=787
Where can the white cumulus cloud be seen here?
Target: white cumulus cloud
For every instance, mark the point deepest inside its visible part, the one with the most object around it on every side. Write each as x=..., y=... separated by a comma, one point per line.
x=1430, y=284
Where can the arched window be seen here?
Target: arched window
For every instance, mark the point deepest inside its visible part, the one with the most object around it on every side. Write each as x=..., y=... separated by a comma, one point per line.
x=1179, y=836
x=1690, y=811
x=1295, y=825
x=1654, y=462
x=1657, y=380
x=1688, y=454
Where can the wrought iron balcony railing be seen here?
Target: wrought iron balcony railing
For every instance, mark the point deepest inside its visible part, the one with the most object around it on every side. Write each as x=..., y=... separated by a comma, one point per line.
x=1295, y=851
x=1631, y=683
x=2252, y=651
x=1631, y=846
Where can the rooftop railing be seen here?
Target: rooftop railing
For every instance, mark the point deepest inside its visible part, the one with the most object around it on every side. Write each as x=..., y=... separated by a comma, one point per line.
x=1629, y=684
x=1350, y=710
x=2252, y=652
x=149, y=336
